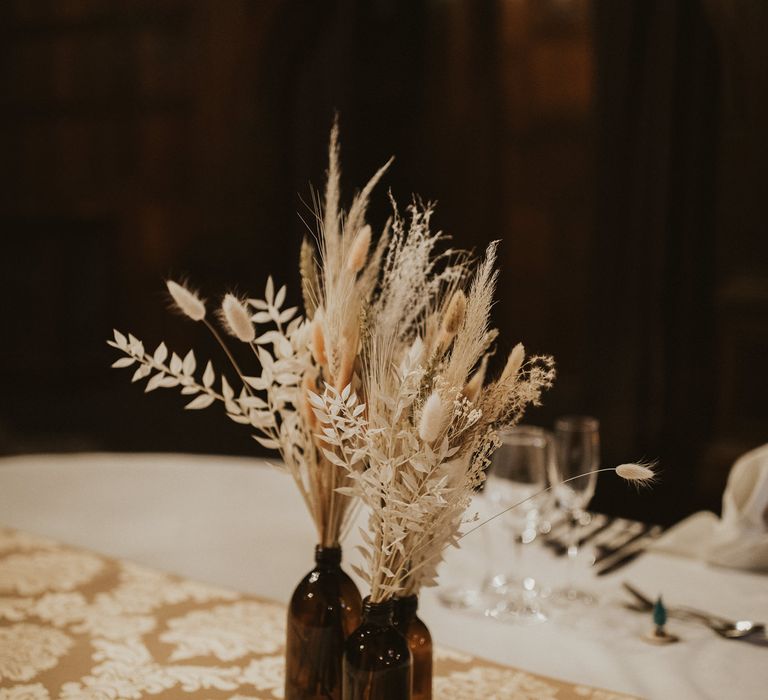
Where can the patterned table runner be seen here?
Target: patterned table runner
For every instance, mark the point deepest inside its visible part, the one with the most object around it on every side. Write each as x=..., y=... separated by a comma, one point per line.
x=76, y=625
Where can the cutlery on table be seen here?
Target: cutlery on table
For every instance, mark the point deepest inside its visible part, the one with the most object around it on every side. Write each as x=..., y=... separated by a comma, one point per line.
x=634, y=533
x=632, y=549
x=561, y=548
x=558, y=526
x=746, y=630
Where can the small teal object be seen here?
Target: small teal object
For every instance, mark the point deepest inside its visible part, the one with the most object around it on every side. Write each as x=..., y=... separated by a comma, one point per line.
x=659, y=635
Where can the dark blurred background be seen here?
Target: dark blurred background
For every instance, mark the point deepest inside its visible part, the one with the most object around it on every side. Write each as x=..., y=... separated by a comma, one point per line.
x=618, y=149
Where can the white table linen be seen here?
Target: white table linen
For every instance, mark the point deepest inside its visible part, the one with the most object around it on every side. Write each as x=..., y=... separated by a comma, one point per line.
x=240, y=523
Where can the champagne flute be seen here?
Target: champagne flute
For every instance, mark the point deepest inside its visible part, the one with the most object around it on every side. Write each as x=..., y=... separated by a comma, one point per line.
x=577, y=452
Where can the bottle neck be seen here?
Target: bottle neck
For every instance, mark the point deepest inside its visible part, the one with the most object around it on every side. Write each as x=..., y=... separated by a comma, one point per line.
x=327, y=557
x=406, y=607
x=378, y=613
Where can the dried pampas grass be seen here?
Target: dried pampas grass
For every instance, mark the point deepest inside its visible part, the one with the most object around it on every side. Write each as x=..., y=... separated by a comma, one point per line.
x=359, y=250
x=428, y=424
x=514, y=363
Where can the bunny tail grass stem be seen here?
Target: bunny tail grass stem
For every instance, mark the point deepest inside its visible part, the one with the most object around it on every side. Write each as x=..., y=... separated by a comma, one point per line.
x=538, y=493
x=229, y=355
x=623, y=473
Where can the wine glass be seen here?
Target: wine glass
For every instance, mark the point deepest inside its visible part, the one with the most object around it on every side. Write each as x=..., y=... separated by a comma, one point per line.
x=465, y=572
x=577, y=453
x=518, y=477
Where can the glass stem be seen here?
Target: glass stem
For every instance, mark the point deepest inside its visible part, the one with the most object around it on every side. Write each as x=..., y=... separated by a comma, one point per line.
x=573, y=547
x=518, y=559
x=489, y=559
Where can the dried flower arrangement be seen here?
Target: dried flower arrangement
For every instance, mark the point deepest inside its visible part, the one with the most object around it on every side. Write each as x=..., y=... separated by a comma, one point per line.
x=296, y=354
x=379, y=392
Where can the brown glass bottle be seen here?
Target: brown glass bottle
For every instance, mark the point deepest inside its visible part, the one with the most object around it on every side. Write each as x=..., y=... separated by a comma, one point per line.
x=377, y=661
x=324, y=610
x=412, y=627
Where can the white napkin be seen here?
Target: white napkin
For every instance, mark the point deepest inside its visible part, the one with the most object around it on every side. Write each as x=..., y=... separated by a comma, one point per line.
x=740, y=538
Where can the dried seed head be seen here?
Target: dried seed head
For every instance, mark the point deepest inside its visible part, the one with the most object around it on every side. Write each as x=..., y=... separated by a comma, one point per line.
x=309, y=282
x=308, y=384
x=514, y=362
x=359, y=250
x=237, y=319
x=639, y=473
x=432, y=416
x=475, y=384
x=317, y=346
x=454, y=316
x=346, y=365
x=187, y=302
x=452, y=320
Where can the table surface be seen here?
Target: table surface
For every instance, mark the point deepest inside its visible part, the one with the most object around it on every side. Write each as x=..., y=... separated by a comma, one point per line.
x=238, y=522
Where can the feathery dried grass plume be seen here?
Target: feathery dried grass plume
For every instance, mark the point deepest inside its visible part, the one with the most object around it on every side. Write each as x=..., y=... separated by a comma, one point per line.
x=454, y=317
x=237, y=319
x=318, y=340
x=308, y=272
x=294, y=355
x=186, y=301
x=428, y=426
x=638, y=473
x=475, y=384
x=432, y=417
x=359, y=250
x=514, y=363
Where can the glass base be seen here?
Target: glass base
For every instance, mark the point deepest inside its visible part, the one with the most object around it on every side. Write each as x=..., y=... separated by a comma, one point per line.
x=569, y=596
x=523, y=615
x=518, y=603
x=462, y=598
x=503, y=598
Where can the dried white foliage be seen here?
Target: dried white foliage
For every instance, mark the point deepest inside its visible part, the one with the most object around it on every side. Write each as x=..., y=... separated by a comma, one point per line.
x=293, y=355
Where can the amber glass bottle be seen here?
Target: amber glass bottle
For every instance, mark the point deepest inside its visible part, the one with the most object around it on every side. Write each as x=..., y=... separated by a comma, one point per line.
x=377, y=661
x=324, y=610
x=419, y=639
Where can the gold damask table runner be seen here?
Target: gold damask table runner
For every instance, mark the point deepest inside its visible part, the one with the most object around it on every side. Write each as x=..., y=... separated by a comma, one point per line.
x=76, y=625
